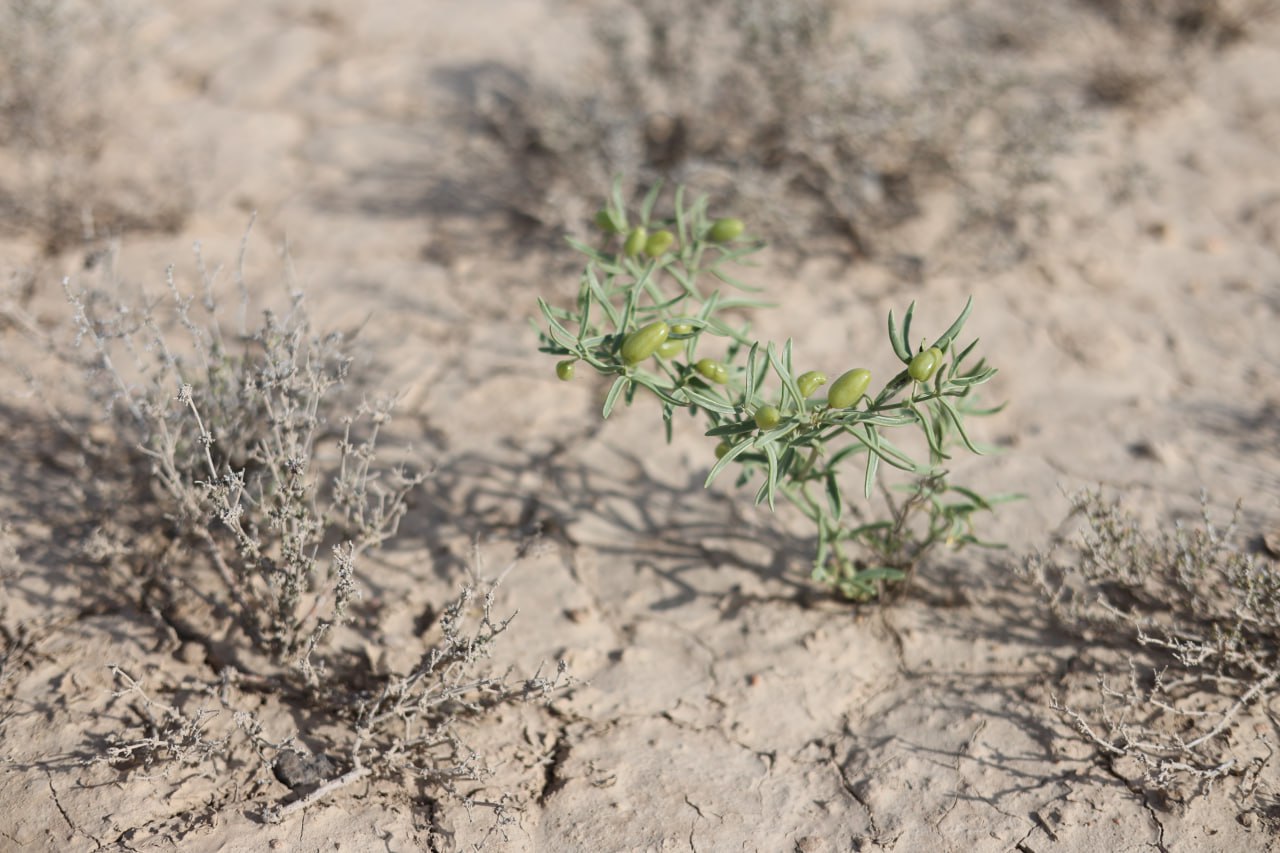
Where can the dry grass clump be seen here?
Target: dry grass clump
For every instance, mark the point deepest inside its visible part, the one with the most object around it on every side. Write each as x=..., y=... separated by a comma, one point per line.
x=71, y=133
x=242, y=484
x=1194, y=619
x=788, y=118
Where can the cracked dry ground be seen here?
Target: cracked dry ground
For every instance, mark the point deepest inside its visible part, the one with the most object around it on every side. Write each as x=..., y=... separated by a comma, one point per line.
x=720, y=705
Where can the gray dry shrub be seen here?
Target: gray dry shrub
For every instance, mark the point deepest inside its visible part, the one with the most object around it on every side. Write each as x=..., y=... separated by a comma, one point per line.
x=1196, y=620
x=782, y=116
x=78, y=157
x=242, y=458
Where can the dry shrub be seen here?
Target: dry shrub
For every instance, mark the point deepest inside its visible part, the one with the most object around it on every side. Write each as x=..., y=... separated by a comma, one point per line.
x=1182, y=632
x=783, y=115
x=240, y=480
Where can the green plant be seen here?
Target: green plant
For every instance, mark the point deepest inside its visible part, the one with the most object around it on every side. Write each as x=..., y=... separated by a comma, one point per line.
x=761, y=412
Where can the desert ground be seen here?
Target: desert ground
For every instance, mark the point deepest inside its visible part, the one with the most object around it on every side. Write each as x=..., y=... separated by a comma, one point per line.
x=396, y=162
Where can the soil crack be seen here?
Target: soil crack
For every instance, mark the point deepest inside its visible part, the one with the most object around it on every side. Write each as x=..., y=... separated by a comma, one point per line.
x=75, y=830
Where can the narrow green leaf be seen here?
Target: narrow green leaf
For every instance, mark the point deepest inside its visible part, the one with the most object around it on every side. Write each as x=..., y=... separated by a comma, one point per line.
x=788, y=381
x=895, y=340
x=771, y=481
x=597, y=291
x=873, y=462
x=615, y=193
x=733, y=453
x=954, y=329
x=835, y=500
x=906, y=331
x=731, y=429
x=964, y=353
x=959, y=425
x=708, y=402
x=881, y=573
x=752, y=377
x=612, y=398
x=646, y=207
x=559, y=333
x=590, y=251
x=930, y=433
x=682, y=224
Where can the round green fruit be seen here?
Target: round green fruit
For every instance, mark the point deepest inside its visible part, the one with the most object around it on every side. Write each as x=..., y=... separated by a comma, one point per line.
x=644, y=342
x=849, y=388
x=670, y=349
x=658, y=243
x=636, y=238
x=768, y=417
x=726, y=230
x=923, y=364
x=713, y=370
x=810, y=382
x=564, y=370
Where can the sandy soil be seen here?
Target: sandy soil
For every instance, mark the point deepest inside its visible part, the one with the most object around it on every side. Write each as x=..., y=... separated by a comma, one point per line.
x=719, y=704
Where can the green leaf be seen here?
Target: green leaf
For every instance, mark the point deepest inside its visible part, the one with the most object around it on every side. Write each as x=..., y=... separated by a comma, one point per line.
x=685, y=280
x=771, y=481
x=682, y=225
x=873, y=462
x=881, y=573
x=589, y=251
x=615, y=193
x=891, y=455
x=930, y=433
x=753, y=379
x=906, y=331
x=784, y=374
x=559, y=333
x=895, y=340
x=706, y=401
x=731, y=429
x=597, y=291
x=646, y=207
x=733, y=453
x=959, y=425
x=954, y=329
x=964, y=353
x=835, y=500
x=612, y=398
x=732, y=281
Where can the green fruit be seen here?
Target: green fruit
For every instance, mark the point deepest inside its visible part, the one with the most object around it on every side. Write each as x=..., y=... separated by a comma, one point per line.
x=725, y=230
x=670, y=349
x=642, y=343
x=923, y=364
x=722, y=448
x=849, y=388
x=605, y=222
x=565, y=370
x=937, y=360
x=713, y=370
x=658, y=242
x=635, y=241
x=768, y=417
x=682, y=329
x=810, y=381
